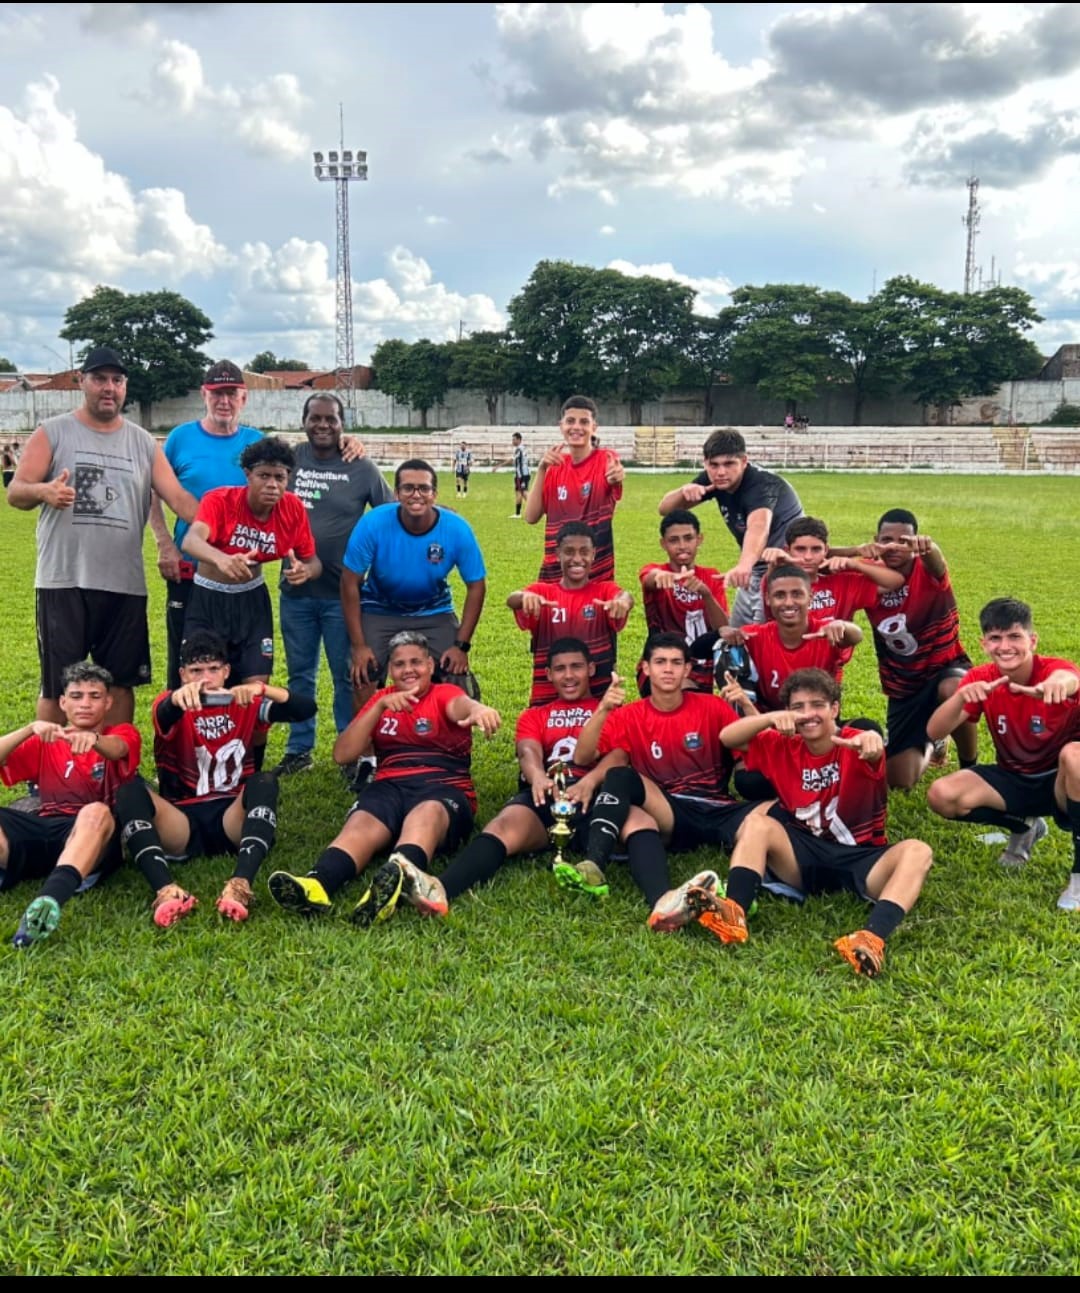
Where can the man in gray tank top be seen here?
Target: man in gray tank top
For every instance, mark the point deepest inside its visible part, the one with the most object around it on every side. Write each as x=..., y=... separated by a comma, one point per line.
x=90, y=472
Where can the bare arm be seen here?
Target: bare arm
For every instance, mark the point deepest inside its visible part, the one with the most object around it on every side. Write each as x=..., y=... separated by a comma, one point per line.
x=689, y=495
x=169, y=556
x=165, y=484
x=534, y=504
x=363, y=663
x=30, y=485
x=454, y=660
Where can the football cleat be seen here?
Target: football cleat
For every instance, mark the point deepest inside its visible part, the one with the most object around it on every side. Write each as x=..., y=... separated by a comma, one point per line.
x=1070, y=895
x=678, y=907
x=38, y=922
x=863, y=951
x=425, y=892
x=303, y=895
x=172, y=904
x=726, y=919
x=1017, y=852
x=584, y=877
x=236, y=899
x=379, y=901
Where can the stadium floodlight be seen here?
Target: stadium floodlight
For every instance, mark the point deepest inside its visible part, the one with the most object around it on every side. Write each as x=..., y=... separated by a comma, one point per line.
x=341, y=166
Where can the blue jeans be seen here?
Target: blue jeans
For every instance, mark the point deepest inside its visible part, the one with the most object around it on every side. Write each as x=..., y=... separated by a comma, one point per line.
x=304, y=622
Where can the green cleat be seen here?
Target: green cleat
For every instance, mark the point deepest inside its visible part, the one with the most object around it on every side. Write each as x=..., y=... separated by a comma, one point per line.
x=585, y=877
x=380, y=900
x=303, y=895
x=38, y=922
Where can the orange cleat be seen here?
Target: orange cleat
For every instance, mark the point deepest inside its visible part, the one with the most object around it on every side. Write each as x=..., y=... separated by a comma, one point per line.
x=727, y=920
x=863, y=951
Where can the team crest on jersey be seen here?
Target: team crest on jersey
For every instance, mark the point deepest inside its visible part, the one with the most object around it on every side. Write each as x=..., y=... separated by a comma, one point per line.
x=422, y=726
x=1037, y=725
x=435, y=553
x=692, y=740
x=97, y=772
x=588, y=612
x=586, y=489
x=268, y=646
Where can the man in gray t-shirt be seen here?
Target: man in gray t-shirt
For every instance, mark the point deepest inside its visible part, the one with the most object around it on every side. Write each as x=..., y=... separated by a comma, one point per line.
x=90, y=472
x=335, y=494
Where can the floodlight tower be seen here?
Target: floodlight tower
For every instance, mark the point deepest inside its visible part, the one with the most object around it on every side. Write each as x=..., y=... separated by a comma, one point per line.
x=971, y=223
x=340, y=167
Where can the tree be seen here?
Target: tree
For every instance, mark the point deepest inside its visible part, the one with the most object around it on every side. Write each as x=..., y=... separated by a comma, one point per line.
x=551, y=322
x=158, y=334
x=869, y=351
x=417, y=374
x=267, y=362
x=640, y=330
x=6, y=366
x=705, y=357
x=782, y=340
x=484, y=361
x=958, y=344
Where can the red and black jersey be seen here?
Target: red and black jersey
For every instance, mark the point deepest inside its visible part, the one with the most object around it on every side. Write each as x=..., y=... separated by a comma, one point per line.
x=678, y=610
x=835, y=795
x=773, y=661
x=556, y=727
x=422, y=744
x=576, y=615
x=236, y=530
x=916, y=631
x=1028, y=734
x=680, y=750
x=580, y=492
x=207, y=753
x=67, y=781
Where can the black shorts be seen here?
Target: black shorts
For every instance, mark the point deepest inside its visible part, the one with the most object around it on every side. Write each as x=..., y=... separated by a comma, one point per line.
x=206, y=817
x=824, y=865
x=705, y=821
x=907, y=716
x=1026, y=794
x=110, y=628
x=35, y=844
x=521, y=484
x=391, y=801
x=245, y=620
x=462, y=473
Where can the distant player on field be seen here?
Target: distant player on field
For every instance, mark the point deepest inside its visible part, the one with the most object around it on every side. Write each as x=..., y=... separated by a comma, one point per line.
x=462, y=469
x=1032, y=708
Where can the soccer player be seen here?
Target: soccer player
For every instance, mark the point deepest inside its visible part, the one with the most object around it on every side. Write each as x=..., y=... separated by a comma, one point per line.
x=840, y=585
x=679, y=595
x=580, y=606
x=546, y=735
x=793, y=638
x=211, y=799
x=236, y=530
x=671, y=789
x=522, y=473
x=575, y=482
x=756, y=505
x=1032, y=709
x=920, y=656
x=828, y=831
x=462, y=469
x=78, y=769
x=421, y=798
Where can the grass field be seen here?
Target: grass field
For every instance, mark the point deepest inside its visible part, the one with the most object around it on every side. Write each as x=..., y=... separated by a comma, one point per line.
x=541, y=1086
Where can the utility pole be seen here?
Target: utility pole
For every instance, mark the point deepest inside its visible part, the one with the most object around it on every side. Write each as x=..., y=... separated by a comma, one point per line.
x=341, y=166
x=971, y=223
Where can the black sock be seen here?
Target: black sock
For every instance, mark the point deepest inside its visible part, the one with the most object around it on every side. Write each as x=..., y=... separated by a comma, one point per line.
x=61, y=883
x=884, y=918
x=967, y=763
x=334, y=869
x=648, y=865
x=517, y=509
x=477, y=862
x=138, y=834
x=743, y=883
x=415, y=854
x=995, y=817
x=260, y=824
x=1072, y=807
x=622, y=788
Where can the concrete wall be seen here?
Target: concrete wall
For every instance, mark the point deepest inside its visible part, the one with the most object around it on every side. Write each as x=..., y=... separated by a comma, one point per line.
x=1015, y=404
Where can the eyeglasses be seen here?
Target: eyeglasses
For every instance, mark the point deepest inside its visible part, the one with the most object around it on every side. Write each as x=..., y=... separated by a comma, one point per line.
x=422, y=490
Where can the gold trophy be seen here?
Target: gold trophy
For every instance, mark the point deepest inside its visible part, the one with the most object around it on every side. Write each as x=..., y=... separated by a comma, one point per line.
x=562, y=810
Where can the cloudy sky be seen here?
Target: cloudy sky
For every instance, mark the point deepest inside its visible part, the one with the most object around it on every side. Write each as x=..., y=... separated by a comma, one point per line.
x=169, y=145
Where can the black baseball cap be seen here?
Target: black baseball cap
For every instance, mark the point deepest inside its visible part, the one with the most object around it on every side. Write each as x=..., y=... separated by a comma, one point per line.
x=103, y=357
x=223, y=373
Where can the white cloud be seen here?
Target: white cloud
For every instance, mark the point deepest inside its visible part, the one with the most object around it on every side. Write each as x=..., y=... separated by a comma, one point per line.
x=607, y=230
x=262, y=115
x=290, y=292
x=1053, y=282
x=712, y=293
x=436, y=219
x=68, y=222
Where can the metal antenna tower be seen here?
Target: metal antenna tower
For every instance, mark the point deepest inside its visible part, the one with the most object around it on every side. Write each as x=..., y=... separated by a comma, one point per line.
x=971, y=223
x=341, y=166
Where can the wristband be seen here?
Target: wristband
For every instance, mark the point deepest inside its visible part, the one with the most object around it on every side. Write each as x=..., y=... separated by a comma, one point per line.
x=462, y=646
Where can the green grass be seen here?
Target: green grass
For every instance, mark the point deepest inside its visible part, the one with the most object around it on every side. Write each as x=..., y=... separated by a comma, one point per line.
x=539, y=1085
